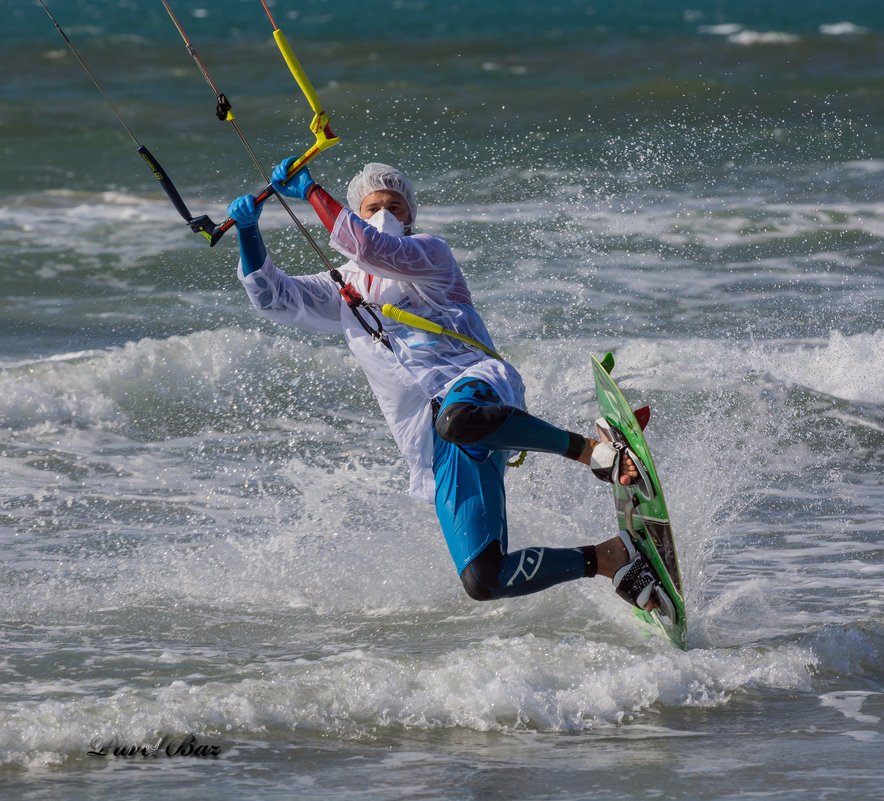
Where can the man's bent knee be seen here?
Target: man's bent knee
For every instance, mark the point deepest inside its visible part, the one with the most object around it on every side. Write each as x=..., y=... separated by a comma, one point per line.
x=464, y=423
x=474, y=588
x=480, y=577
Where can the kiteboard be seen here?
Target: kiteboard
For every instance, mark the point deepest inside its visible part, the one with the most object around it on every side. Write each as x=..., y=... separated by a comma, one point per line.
x=641, y=508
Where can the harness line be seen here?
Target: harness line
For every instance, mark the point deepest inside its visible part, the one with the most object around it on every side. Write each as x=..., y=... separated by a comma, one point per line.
x=413, y=320
x=422, y=323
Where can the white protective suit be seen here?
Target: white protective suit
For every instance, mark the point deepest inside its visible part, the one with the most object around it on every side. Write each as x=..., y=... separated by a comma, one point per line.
x=417, y=273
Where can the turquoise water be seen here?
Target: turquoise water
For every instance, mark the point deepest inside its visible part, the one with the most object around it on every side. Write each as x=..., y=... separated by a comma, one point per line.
x=204, y=524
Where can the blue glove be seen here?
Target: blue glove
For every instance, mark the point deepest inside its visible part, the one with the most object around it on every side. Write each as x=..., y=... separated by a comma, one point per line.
x=298, y=186
x=244, y=212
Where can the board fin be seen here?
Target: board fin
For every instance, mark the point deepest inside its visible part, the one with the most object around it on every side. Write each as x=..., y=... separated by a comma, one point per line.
x=608, y=362
x=643, y=415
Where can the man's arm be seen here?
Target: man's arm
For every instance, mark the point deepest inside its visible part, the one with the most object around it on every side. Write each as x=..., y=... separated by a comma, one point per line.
x=325, y=206
x=304, y=302
x=245, y=214
x=420, y=259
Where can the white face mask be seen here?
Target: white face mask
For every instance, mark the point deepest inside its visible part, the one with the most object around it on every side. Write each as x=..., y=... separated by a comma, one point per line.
x=386, y=223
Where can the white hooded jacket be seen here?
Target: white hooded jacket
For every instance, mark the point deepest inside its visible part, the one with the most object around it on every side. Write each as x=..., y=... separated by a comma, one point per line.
x=417, y=273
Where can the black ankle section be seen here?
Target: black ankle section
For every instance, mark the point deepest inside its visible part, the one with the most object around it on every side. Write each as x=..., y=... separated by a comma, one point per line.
x=576, y=444
x=591, y=562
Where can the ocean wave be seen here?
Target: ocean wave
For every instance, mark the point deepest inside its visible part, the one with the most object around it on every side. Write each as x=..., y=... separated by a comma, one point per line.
x=500, y=684
x=842, y=29
x=752, y=38
x=150, y=386
x=737, y=34
x=849, y=367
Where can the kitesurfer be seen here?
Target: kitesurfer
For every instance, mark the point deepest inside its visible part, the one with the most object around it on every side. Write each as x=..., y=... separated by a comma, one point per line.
x=455, y=412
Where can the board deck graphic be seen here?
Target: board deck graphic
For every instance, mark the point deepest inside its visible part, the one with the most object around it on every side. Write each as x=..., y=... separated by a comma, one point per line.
x=641, y=508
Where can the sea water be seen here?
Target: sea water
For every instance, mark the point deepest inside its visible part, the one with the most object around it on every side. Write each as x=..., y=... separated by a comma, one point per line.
x=213, y=581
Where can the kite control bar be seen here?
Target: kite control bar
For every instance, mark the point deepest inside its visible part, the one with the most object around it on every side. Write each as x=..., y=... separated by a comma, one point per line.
x=203, y=224
x=319, y=126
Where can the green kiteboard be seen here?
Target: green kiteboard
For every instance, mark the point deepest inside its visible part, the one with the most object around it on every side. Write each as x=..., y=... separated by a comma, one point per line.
x=641, y=509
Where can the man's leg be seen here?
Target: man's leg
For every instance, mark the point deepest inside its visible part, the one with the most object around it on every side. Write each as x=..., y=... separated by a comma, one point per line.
x=473, y=416
x=494, y=574
x=473, y=431
x=471, y=506
x=472, y=413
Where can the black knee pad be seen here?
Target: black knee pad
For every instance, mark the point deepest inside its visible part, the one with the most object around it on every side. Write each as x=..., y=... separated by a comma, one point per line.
x=466, y=423
x=474, y=588
x=480, y=577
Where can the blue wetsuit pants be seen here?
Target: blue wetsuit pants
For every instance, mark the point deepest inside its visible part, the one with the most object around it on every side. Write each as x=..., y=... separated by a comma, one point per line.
x=474, y=432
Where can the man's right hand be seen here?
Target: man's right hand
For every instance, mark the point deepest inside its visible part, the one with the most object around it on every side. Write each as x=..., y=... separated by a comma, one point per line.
x=297, y=186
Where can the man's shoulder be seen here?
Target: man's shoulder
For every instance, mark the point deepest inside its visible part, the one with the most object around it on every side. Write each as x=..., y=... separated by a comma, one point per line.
x=429, y=238
x=434, y=246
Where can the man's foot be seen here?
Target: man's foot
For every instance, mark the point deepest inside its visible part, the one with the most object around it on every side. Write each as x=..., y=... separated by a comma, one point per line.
x=627, y=467
x=636, y=583
x=633, y=579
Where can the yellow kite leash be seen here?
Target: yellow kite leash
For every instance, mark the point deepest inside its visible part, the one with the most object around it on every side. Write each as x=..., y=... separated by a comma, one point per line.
x=422, y=323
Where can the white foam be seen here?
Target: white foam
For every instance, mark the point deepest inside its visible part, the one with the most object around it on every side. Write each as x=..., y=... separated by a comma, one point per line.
x=850, y=704
x=738, y=34
x=842, y=29
x=844, y=366
x=750, y=38
x=504, y=684
x=848, y=367
x=724, y=29
x=94, y=387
